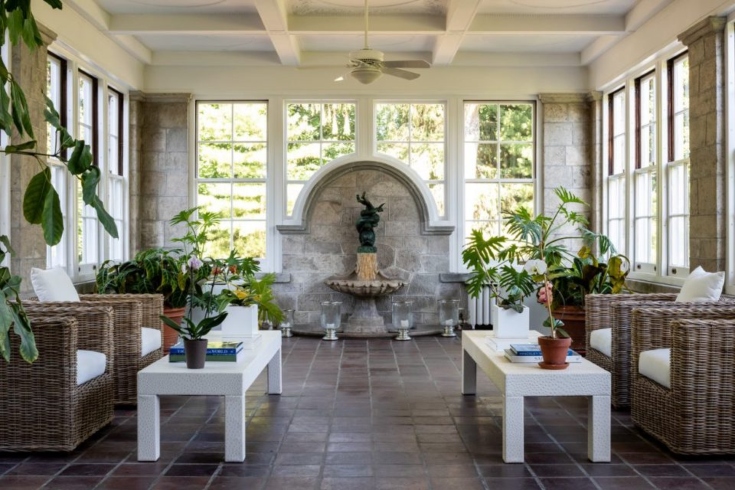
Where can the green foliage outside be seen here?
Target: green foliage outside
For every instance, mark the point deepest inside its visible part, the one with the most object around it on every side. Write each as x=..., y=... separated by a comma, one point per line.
x=41, y=204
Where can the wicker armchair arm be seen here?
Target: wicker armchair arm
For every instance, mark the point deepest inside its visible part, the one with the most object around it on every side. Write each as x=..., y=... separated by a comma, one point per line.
x=703, y=367
x=599, y=309
x=652, y=327
x=151, y=305
x=94, y=323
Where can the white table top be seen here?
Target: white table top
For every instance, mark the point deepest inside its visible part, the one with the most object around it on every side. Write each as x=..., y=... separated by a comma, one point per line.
x=582, y=378
x=216, y=378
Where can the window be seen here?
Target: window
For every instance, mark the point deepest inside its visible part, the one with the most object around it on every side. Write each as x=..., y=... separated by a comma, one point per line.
x=78, y=97
x=317, y=133
x=646, y=181
x=87, y=224
x=232, y=163
x=498, y=163
x=616, y=188
x=57, y=256
x=117, y=182
x=415, y=134
x=677, y=166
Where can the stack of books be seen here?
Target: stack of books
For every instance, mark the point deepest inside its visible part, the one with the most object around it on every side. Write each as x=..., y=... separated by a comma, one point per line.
x=532, y=353
x=218, y=351
x=499, y=345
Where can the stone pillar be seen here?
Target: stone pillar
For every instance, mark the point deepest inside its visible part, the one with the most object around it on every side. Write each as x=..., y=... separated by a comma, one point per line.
x=566, y=143
x=137, y=109
x=29, y=69
x=707, y=200
x=163, y=168
x=598, y=169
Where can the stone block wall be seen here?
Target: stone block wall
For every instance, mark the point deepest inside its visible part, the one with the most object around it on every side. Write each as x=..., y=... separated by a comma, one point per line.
x=707, y=190
x=329, y=246
x=163, y=167
x=29, y=70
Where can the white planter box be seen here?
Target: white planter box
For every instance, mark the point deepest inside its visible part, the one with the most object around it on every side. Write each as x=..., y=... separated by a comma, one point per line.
x=509, y=324
x=241, y=322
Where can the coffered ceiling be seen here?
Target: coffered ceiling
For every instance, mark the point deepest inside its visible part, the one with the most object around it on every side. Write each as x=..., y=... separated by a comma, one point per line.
x=321, y=32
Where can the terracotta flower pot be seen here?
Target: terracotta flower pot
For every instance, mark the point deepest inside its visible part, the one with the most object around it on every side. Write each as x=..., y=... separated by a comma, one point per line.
x=195, y=352
x=574, y=324
x=171, y=336
x=554, y=352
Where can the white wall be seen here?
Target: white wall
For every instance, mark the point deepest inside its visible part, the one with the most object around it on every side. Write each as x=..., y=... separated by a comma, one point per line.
x=96, y=48
x=249, y=81
x=658, y=33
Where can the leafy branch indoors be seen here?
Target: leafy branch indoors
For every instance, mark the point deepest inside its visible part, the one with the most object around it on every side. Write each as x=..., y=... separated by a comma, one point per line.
x=41, y=204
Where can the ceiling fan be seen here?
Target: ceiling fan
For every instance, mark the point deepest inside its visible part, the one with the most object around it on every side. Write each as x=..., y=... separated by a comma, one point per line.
x=367, y=65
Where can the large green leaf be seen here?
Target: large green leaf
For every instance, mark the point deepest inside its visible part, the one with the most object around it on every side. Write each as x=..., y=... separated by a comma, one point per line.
x=28, y=145
x=90, y=179
x=6, y=320
x=108, y=222
x=35, y=196
x=54, y=3
x=28, y=350
x=6, y=243
x=6, y=119
x=21, y=114
x=53, y=220
x=81, y=160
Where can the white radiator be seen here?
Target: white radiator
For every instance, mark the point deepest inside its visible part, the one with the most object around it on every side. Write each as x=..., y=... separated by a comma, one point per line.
x=479, y=308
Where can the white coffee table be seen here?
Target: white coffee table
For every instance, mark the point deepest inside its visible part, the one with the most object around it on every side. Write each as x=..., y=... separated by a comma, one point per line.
x=518, y=380
x=229, y=379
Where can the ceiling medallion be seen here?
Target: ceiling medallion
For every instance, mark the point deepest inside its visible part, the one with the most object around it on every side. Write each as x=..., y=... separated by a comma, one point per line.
x=557, y=4
x=179, y=4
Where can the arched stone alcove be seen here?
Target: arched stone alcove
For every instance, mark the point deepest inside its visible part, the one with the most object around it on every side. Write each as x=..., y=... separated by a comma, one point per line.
x=321, y=240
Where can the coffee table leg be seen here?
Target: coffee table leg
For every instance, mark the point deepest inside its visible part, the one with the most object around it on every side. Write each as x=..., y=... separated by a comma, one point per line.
x=149, y=428
x=469, y=374
x=235, y=428
x=513, y=429
x=598, y=429
x=274, y=374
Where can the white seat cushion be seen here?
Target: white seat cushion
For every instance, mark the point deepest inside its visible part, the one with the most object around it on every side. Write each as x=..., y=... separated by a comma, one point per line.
x=701, y=286
x=53, y=285
x=90, y=364
x=656, y=365
x=601, y=340
x=150, y=340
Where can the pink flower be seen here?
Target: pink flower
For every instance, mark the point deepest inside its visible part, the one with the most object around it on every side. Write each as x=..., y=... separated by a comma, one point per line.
x=194, y=263
x=544, y=294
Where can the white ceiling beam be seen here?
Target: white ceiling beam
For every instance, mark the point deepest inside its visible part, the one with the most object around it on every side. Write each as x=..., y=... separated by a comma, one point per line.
x=149, y=24
x=403, y=24
x=460, y=16
x=274, y=15
x=642, y=11
x=549, y=24
x=597, y=48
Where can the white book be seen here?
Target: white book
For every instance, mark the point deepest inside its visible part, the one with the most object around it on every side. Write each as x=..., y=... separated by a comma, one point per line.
x=499, y=345
x=535, y=359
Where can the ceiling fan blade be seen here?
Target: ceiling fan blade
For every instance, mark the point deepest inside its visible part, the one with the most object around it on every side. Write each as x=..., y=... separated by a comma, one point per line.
x=407, y=64
x=406, y=75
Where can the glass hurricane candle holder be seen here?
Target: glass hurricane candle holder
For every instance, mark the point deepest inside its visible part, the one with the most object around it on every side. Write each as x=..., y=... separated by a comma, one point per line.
x=330, y=319
x=448, y=316
x=402, y=319
x=287, y=324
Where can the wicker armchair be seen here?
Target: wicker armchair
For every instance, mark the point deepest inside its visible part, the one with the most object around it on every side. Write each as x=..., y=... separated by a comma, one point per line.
x=694, y=415
x=131, y=313
x=42, y=407
x=601, y=312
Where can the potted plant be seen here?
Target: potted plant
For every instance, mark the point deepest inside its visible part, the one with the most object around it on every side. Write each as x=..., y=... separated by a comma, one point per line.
x=247, y=303
x=509, y=284
x=193, y=332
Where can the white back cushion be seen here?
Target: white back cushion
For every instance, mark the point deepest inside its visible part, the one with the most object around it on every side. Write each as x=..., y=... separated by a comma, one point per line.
x=701, y=286
x=150, y=340
x=656, y=365
x=53, y=285
x=90, y=364
x=601, y=340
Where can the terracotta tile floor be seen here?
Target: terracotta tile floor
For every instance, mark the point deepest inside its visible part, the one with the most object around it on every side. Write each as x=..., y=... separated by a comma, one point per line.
x=374, y=414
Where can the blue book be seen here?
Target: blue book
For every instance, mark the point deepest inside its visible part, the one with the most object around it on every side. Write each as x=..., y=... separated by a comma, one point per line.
x=214, y=347
x=532, y=350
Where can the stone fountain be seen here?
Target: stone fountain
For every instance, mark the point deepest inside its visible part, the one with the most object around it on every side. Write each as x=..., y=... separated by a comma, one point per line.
x=366, y=283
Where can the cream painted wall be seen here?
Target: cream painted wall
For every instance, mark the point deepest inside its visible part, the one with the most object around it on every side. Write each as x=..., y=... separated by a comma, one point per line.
x=658, y=34
x=91, y=44
x=249, y=81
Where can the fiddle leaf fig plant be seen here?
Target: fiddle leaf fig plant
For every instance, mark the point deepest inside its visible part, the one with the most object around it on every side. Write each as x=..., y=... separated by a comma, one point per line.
x=41, y=204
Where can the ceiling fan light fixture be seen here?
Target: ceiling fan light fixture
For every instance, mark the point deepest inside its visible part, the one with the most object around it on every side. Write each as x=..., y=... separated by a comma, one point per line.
x=365, y=74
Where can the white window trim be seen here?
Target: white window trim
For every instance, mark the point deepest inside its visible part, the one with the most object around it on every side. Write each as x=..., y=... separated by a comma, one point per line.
x=730, y=151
